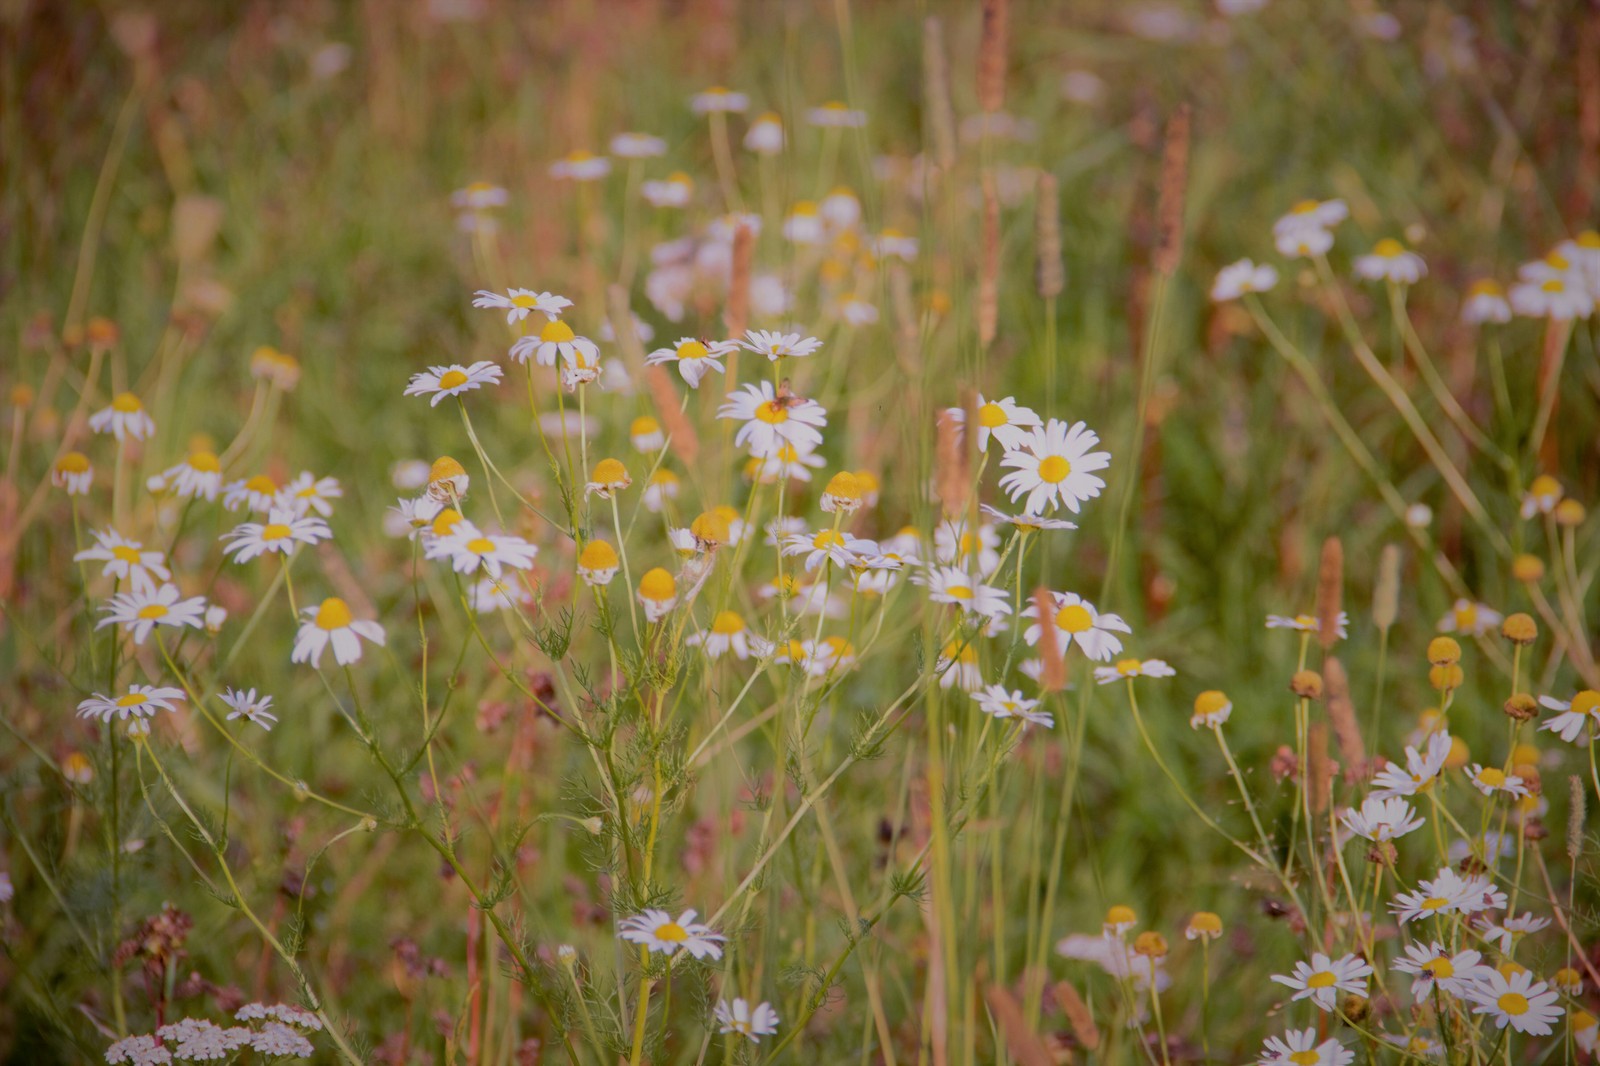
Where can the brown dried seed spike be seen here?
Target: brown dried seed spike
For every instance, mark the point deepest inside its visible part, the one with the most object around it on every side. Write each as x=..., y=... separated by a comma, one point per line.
x=1330, y=592
x=1174, y=184
x=736, y=315
x=1049, y=276
x=989, y=268
x=1023, y=1043
x=1342, y=715
x=1078, y=1014
x=1053, y=673
x=936, y=92
x=992, y=55
x=1386, y=594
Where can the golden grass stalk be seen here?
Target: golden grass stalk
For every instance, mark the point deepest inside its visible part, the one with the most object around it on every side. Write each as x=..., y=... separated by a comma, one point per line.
x=1386, y=593
x=936, y=92
x=1330, y=592
x=992, y=55
x=989, y=268
x=1174, y=184
x=1049, y=274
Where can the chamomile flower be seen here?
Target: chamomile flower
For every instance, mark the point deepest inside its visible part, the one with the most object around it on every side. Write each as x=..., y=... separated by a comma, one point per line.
x=580, y=166
x=765, y=135
x=644, y=433
x=1323, y=978
x=215, y=616
x=141, y=701
x=637, y=146
x=740, y=1018
x=662, y=487
x=283, y=532
x=1420, y=771
x=893, y=244
x=657, y=594
x=1544, y=494
x=1128, y=669
x=694, y=358
x=308, y=492
x=659, y=931
x=74, y=473
x=453, y=380
x=1312, y=214
x=717, y=99
x=471, y=550
x=279, y=369
x=804, y=225
x=598, y=563
x=1301, y=1047
x=1582, y=710
x=126, y=417
x=776, y=345
x=1491, y=779
x=1486, y=302
x=518, y=304
x=1390, y=261
x=769, y=419
x=957, y=665
x=836, y=115
x=1203, y=925
x=675, y=190
x=1382, y=819
x=126, y=560
x=787, y=462
x=1245, y=276
x=1526, y=1005
x=489, y=595
x=1306, y=242
x=1026, y=523
x=1053, y=466
x=479, y=196
x=1076, y=620
x=256, y=494
x=1511, y=928
x=1308, y=623
x=1418, y=1045
x=996, y=701
x=1585, y=1031
x=820, y=658
x=331, y=622
x=1473, y=619
x=244, y=703
x=841, y=211
x=829, y=546
x=142, y=610
x=608, y=478
x=1448, y=893
x=1212, y=708
x=855, y=311
x=555, y=343
x=1559, y=298
x=408, y=517
x=954, y=544
x=727, y=633
x=951, y=584
x=199, y=475
x=1005, y=421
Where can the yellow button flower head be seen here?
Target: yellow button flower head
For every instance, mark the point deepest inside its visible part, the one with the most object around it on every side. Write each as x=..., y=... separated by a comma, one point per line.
x=1544, y=492
x=1211, y=709
x=1119, y=919
x=658, y=593
x=1444, y=651
x=1203, y=925
x=645, y=434
x=73, y=473
x=843, y=494
x=598, y=563
x=447, y=480
x=1519, y=628
x=1569, y=512
x=608, y=477
x=1150, y=944
x=445, y=522
x=710, y=529
x=1528, y=569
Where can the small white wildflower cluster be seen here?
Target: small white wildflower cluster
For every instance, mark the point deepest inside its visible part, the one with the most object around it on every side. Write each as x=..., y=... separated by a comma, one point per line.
x=279, y=1034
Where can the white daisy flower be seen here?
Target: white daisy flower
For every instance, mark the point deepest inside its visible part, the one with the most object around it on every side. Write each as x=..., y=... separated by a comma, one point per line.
x=892, y=244
x=1244, y=276
x=1585, y=1031
x=126, y=560
x=598, y=563
x=676, y=190
x=856, y=311
x=1559, y=298
x=659, y=931
x=804, y=224
x=740, y=1018
x=1390, y=261
x=645, y=434
x=837, y=115
x=954, y=545
x=765, y=135
x=717, y=99
x=1312, y=214
x=828, y=545
x=580, y=166
x=769, y=419
x=253, y=494
x=1420, y=1045
x=1491, y=779
x=1212, y=709
x=776, y=345
x=1306, y=243
x=1448, y=893
x=1473, y=619
x=657, y=593
x=951, y=584
x=518, y=304
x=819, y=658
x=957, y=666
x=282, y=532
x=452, y=380
x=73, y=472
x=1026, y=523
x=1583, y=709
x=125, y=418
x=244, y=703
x=1382, y=819
x=479, y=196
x=786, y=463
x=637, y=146
x=996, y=701
x=1323, y=978
x=841, y=210
x=1420, y=770
x=141, y=701
x=1300, y=1047
x=489, y=595
x=555, y=342
x=1307, y=623
x=662, y=487
x=694, y=358
x=1486, y=302
x=308, y=493
x=330, y=622
x=1510, y=929
x=1077, y=620
x=1528, y=1006
x=1128, y=669
x=470, y=550
x=142, y=610
x=1053, y=466
x=198, y=475
x=408, y=517
x=1004, y=420
x=727, y=633
x=215, y=616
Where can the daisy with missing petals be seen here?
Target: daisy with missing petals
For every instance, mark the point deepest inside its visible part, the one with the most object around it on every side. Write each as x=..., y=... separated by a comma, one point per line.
x=1245, y=276
x=1473, y=619
x=518, y=304
x=1528, y=1006
x=1075, y=619
x=1582, y=710
x=1490, y=780
x=253, y=494
x=1054, y=465
x=308, y=493
x=282, y=532
x=1003, y=420
x=1486, y=302
x=470, y=550
x=125, y=418
x=142, y=701
x=740, y=1018
x=1382, y=819
x=727, y=633
x=598, y=563
x=1212, y=708
x=1420, y=771
x=776, y=346
x=996, y=701
x=126, y=560
x=1322, y=979
x=142, y=610
x=244, y=703
x=662, y=488
x=718, y=100
x=1390, y=261
x=958, y=665
x=1509, y=930
x=950, y=584
x=1306, y=623
x=1128, y=669
x=555, y=342
x=1300, y=1047
x=74, y=473
x=332, y=623
x=659, y=931
x=657, y=594
x=770, y=419
x=1026, y=523
x=198, y=475
x=453, y=380
x=694, y=358
x=1448, y=893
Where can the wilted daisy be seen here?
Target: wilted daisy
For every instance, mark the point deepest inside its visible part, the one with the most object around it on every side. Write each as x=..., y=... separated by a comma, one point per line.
x=279, y=369
x=836, y=114
x=950, y=584
x=741, y=1019
x=1053, y=466
x=775, y=345
x=1076, y=620
x=1583, y=709
x=1244, y=276
x=1506, y=932
x=1382, y=819
x=1128, y=669
x=1473, y=619
x=675, y=190
x=308, y=493
x=282, y=532
x=580, y=166
x=1528, y=1006
x=662, y=487
x=125, y=418
x=470, y=550
x=1559, y=298
x=141, y=701
x=244, y=703
x=488, y=595
x=1448, y=893
x=996, y=701
x=408, y=517
x=518, y=304
x=253, y=494
x=598, y=563
x=199, y=475
x=142, y=610
x=608, y=478
x=659, y=931
x=1004, y=420
x=637, y=146
x=452, y=380
x=1308, y=623
x=769, y=419
x=1491, y=779
x=1390, y=261
x=332, y=623
x=126, y=560
x=644, y=433
x=74, y=473
x=1311, y=214
x=1486, y=302
x=1301, y=1047
x=1419, y=772
x=717, y=99
x=657, y=593
x=555, y=342
x=694, y=358
x=1323, y=978
x=765, y=135
x=726, y=633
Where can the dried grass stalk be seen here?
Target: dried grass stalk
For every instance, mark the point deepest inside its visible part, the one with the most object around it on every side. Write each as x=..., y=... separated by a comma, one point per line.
x=989, y=269
x=1342, y=715
x=1023, y=1043
x=736, y=315
x=952, y=475
x=1078, y=1014
x=992, y=55
x=936, y=92
x=1049, y=275
x=1386, y=594
x=1053, y=674
x=1330, y=592
x=1174, y=184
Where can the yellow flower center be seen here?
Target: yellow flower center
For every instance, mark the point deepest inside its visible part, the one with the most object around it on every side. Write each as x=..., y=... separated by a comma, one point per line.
x=1074, y=618
x=1322, y=979
x=1433, y=903
x=126, y=403
x=1588, y=239
x=1466, y=617
x=727, y=623
x=960, y=592
x=274, y=531
x=772, y=413
x=991, y=415
x=1304, y=207
x=261, y=483
x=333, y=614
x=557, y=332
x=132, y=699
x=1484, y=287
x=444, y=468
x=1554, y=285
x=73, y=463
x=692, y=350
x=1388, y=248
x=1513, y=1003
x=1491, y=777
x=805, y=209
x=1586, y=702
x=480, y=545
x=1054, y=469
x=610, y=472
x=1128, y=667
x=125, y=553
x=1121, y=915
x=1309, y=1057
x=672, y=932
x=967, y=654
x=644, y=426
x=152, y=611
x=1440, y=967
x=445, y=521
x=451, y=379
x=827, y=539
x=598, y=555
x=658, y=585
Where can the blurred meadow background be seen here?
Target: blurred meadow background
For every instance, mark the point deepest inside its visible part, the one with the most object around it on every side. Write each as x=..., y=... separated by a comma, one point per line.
x=263, y=219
